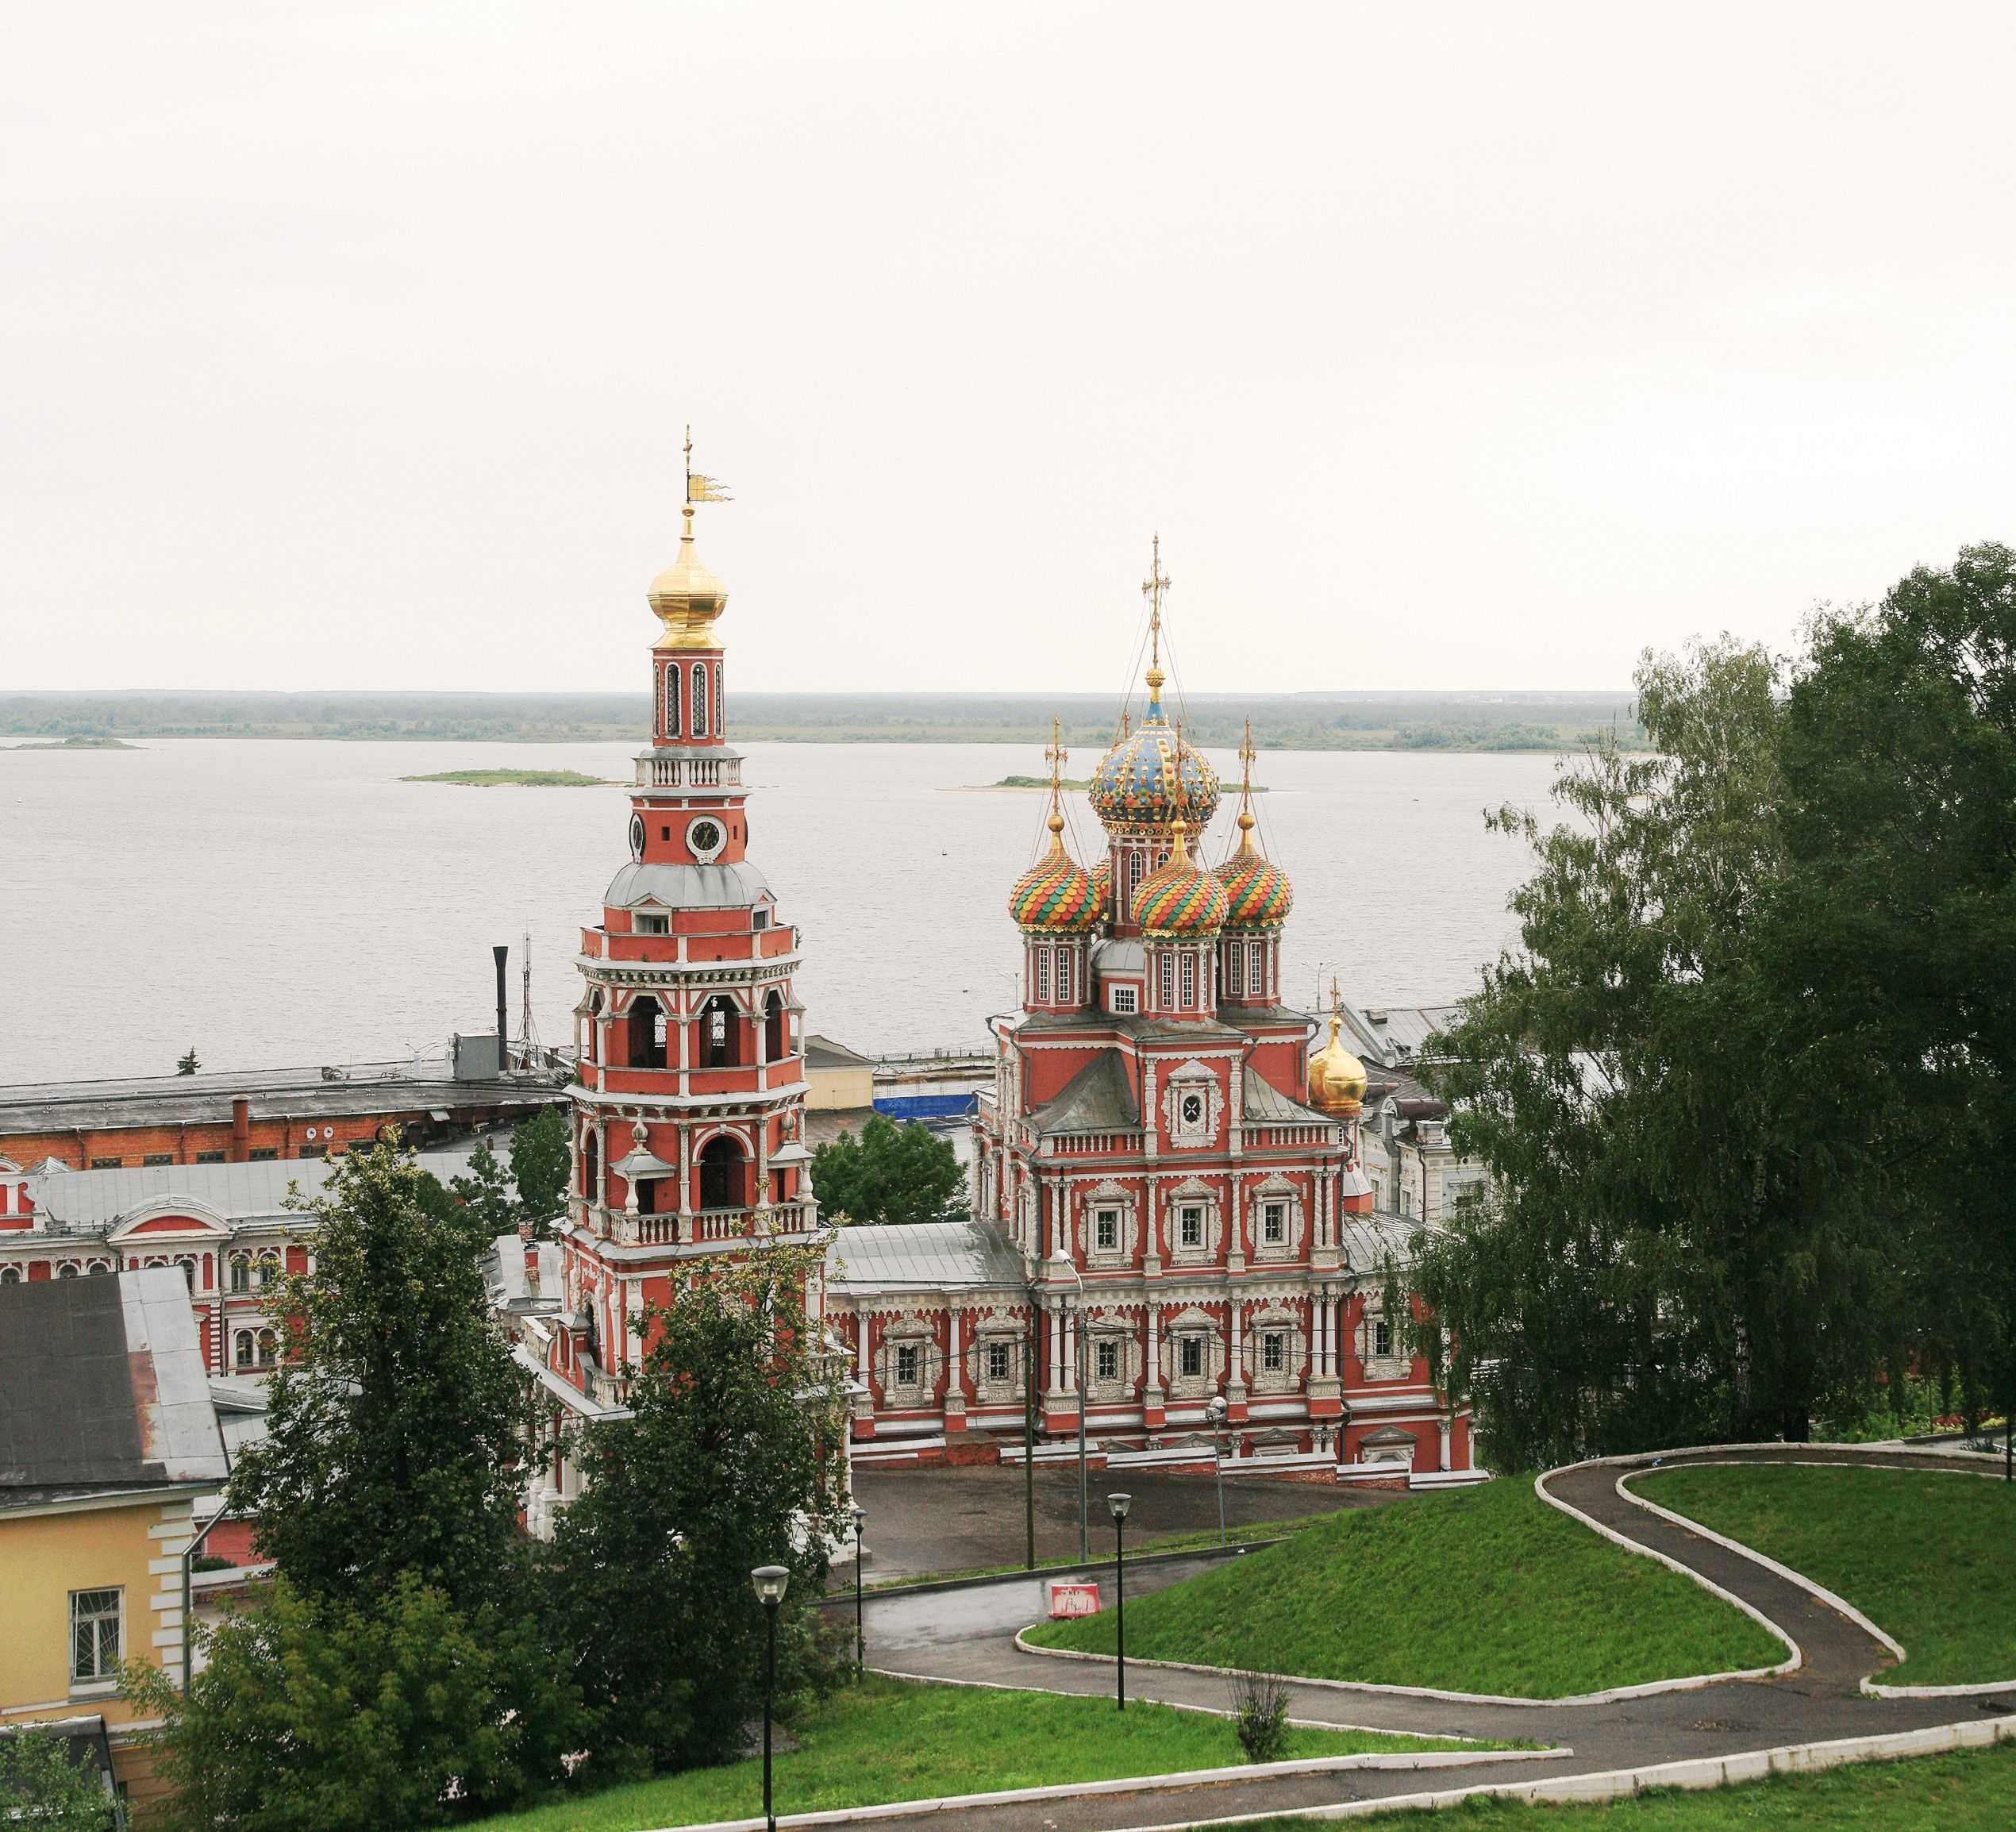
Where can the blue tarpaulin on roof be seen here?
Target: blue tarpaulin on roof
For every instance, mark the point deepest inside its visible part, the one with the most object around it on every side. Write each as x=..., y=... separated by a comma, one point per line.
x=926, y=1106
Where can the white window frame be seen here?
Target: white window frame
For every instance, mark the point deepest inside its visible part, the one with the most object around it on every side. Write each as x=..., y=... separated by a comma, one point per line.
x=102, y=1677
x=1188, y=1213
x=1106, y=1350
x=1273, y=1221
x=1000, y=1352
x=1165, y=978
x=1189, y=1348
x=1106, y=1230
x=1043, y=974
x=1274, y=1351
x=1187, y=980
x=675, y=688
x=1126, y=1002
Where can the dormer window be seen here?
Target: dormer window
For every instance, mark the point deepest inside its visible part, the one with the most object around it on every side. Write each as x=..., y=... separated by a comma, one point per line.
x=648, y=924
x=1126, y=1001
x=760, y=918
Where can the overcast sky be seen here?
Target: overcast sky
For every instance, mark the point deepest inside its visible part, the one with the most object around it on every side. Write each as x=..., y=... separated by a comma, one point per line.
x=350, y=345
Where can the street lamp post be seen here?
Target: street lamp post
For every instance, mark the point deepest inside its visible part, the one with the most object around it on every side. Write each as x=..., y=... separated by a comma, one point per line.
x=1118, y=1505
x=1084, y=1543
x=1215, y=1410
x=770, y=1580
x=860, y=1639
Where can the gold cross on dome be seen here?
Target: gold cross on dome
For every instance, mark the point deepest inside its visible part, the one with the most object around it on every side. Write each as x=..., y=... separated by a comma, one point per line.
x=1247, y=753
x=1152, y=588
x=1056, y=756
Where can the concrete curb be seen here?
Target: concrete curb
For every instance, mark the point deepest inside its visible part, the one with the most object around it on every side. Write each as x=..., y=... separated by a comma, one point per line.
x=1184, y=1779
x=1840, y=1604
x=1695, y=1776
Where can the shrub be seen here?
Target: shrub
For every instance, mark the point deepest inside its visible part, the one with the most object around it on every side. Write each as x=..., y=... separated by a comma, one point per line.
x=1259, y=1704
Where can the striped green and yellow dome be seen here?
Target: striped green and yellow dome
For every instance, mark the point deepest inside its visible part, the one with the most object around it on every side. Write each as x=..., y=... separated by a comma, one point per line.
x=1055, y=896
x=1257, y=893
x=1181, y=899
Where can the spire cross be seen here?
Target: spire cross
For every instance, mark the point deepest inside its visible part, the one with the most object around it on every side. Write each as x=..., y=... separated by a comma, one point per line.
x=1247, y=753
x=1056, y=756
x=1152, y=588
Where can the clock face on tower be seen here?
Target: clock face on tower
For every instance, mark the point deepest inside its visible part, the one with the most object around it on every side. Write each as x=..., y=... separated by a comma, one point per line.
x=636, y=835
x=704, y=837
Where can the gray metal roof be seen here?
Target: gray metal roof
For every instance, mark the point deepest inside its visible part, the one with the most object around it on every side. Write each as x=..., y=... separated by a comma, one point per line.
x=1366, y=1239
x=105, y=1388
x=79, y=1200
x=205, y=1099
x=1392, y=1035
x=1262, y=1100
x=932, y=1256
x=823, y=1052
x=1097, y=1099
x=687, y=887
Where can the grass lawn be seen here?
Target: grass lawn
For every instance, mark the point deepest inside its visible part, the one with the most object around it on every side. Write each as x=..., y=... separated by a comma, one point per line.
x=1478, y=1590
x=1974, y=1792
x=888, y=1740
x=1925, y=1556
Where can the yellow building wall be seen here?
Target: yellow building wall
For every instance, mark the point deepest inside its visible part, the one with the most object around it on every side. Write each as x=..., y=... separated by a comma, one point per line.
x=839, y=1090
x=133, y=1547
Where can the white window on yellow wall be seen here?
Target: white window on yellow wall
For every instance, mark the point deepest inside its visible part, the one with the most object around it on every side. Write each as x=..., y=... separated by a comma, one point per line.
x=95, y=1617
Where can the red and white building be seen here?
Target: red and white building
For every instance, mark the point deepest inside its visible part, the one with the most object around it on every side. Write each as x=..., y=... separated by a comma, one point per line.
x=688, y=1113
x=1169, y=1206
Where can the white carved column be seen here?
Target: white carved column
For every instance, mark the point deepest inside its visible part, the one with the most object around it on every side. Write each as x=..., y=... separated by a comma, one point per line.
x=1446, y=1434
x=955, y=1385
x=1154, y=1347
x=1057, y=1349
x=1238, y=1347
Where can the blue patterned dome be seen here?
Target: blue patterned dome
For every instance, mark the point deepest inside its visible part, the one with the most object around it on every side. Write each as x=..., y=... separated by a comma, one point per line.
x=1133, y=790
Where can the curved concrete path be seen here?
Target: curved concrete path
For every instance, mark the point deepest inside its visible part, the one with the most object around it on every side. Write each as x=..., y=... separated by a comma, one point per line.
x=968, y=1636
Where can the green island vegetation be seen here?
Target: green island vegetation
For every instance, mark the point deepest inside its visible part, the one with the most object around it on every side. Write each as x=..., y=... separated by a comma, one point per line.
x=1310, y=722
x=884, y=1740
x=77, y=743
x=1920, y=1553
x=1530, y=1604
x=514, y=779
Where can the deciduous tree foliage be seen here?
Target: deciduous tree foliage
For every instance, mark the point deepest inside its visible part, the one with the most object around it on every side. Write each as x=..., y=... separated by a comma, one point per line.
x=728, y=1462
x=41, y=1787
x=1681, y=1244
x=396, y=1710
x=893, y=1173
x=542, y=1158
x=394, y=1422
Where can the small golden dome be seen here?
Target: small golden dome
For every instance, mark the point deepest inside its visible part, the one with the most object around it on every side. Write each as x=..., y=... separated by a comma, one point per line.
x=1336, y=1078
x=687, y=598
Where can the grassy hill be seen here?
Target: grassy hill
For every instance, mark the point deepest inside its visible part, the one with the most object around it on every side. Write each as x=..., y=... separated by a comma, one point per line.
x=1478, y=1590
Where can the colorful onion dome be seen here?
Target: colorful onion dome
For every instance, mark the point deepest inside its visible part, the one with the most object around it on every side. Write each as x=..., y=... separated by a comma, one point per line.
x=1055, y=896
x=1181, y=897
x=1257, y=893
x=1135, y=788
x=1103, y=887
x=1336, y=1078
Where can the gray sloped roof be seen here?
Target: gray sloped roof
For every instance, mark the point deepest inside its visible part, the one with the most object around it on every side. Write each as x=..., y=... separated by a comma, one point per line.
x=931, y=1256
x=1390, y=1035
x=688, y=886
x=1262, y=1100
x=1097, y=1099
x=105, y=1388
x=90, y=1199
x=1366, y=1239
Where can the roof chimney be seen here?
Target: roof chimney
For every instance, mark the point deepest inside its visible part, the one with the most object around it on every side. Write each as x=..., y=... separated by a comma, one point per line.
x=503, y=1030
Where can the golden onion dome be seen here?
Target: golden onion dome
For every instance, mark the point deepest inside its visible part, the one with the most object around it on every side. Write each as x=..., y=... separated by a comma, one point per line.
x=1056, y=895
x=1181, y=898
x=687, y=598
x=1336, y=1078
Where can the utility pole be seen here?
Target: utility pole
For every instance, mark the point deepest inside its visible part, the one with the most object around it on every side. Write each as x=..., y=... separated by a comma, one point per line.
x=1029, y=1434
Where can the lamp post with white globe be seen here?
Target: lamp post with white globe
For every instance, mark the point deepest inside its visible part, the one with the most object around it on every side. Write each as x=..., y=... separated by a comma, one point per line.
x=1215, y=1410
x=770, y=1581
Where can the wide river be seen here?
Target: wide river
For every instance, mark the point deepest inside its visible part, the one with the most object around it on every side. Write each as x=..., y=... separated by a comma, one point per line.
x=276, y=902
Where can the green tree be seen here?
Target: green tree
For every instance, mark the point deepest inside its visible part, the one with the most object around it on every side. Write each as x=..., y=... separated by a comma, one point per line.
x=1897, y=935
x=485, y=1191
x=729, y=1460
x=41, y=1787
x=1668, y=1256
x=542, y=1162
x=393, y=1421
x=396, y=1710
x=893, y=1173
x=188, y=1065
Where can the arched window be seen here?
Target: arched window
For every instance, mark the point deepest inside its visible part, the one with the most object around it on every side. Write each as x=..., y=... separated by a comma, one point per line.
x=188, y=1272
x=269, y=1348
x=240, y=1273
x=241, y=1350
x=647, y=1033
x=672, y=700
x=592, y=1166
x=98, y=1266
x=594, y=1027
x=699, y=699
x=720, y=1174
x=269, y=1269
x=720, y=1033
x=776, y=1029
x=718, y=672
x=66, y=1271
x=9, y=1274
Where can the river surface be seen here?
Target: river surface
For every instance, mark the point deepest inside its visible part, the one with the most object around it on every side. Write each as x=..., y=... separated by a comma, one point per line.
x=277, y=902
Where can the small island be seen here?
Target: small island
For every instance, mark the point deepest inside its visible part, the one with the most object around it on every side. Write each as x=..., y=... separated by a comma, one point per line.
x=514, y=779
x=81, y=744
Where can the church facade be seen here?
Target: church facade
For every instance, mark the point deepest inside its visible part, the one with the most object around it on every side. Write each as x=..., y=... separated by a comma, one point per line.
x=1170, y=1208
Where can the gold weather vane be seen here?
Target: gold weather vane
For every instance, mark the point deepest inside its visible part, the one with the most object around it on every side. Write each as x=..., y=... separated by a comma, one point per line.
x=699, y=487
x=1152, y=588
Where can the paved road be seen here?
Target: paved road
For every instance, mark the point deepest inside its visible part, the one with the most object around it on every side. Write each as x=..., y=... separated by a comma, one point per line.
x=968, y=1635
x=953, y=1519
